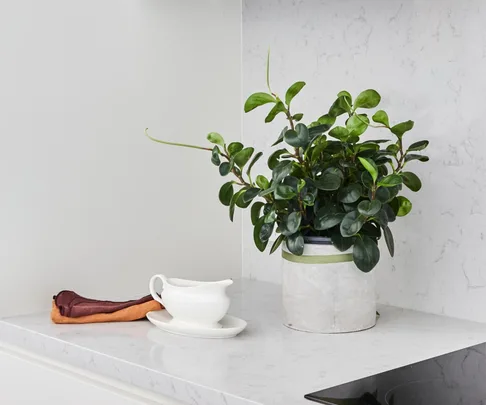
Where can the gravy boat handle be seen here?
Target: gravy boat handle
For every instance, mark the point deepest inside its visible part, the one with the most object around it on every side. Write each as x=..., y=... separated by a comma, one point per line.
x=154, y=294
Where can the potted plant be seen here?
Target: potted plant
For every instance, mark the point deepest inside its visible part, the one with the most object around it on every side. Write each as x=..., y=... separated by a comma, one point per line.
x=330, y=197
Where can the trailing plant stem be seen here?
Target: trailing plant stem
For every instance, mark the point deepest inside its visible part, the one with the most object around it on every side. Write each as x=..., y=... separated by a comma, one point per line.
x=184, y=145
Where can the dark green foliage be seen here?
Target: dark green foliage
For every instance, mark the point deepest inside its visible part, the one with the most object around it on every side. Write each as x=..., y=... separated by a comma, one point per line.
x=326, y=178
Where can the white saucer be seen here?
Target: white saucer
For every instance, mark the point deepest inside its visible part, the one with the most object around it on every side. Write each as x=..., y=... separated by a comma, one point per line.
x=230, y=326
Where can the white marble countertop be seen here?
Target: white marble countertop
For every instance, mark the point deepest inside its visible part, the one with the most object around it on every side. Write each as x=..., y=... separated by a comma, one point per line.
x=267, y=364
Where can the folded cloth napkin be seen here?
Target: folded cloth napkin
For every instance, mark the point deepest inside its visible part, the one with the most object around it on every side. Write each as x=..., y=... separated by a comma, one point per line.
x=69, y=307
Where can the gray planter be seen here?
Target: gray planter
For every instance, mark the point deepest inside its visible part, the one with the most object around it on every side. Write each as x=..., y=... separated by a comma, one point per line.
x=324, y=291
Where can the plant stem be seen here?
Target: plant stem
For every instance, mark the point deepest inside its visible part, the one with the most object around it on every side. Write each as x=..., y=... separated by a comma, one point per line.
x=289, y=117
x=184, y=145
x=238, y=176
x=292, y=126
x=268, y=71
x=367, y=123
x=402, y=156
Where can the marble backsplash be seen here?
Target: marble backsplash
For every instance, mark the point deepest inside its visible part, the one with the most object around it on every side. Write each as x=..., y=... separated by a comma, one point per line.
x=427, y=59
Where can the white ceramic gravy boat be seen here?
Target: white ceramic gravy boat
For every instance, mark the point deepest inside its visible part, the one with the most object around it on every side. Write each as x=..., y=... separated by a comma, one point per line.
x=198, y=303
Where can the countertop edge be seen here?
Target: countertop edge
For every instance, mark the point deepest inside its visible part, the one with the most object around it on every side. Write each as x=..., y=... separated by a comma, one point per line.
x=91, y=360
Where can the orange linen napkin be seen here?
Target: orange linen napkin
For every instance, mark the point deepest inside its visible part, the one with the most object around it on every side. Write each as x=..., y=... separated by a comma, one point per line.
x=123, y=315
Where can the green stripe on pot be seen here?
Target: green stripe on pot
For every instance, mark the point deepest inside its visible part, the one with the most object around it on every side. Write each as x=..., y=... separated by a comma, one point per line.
x=327, y=259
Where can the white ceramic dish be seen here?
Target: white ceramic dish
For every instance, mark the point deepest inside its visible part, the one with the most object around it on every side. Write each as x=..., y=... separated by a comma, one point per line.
x=230, y=326
x=202, y=303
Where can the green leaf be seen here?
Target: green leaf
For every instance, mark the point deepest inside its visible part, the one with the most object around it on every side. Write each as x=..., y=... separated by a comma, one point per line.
x=370, y=167
x=381, y=117
x=309, y=199
x=292, y=181
x=389, y=212
x=266, y=231
x=371, y=229
x=369, y=208
x=242, y=157
x=255, y=211
x=262, y=182
x=334, y=170
x=390, y=181
x=281, y=136
x=351, y=224
x=320, y=145
x=357, y=125
x=292, y=223
x=267, y=191
x=216, y=138
x=367, y=180
x=393, y=148
x=366, y=254
x=382, y=194
x=261, y=245
x=349, y=207
x=317, y=131
x=258, y=99
x=350, y=194
x=273, y=159
x=375, y=141
x=284, y=192
x=293, y=91
x=341, y=243
x=281, y=170
x=411, y=180
x=234, y=148
x=277, y=243
x=344, y=93
x=226, y=193
x=340, y=106
x=413, y=156
x=233, y=201
x=390, y=243
x=367, y=99
x=382, y=218
x=253, y=161
x=295, y=243
x=241, y=201
x=250, y=194
x=271, y=216
x=325, y=220
x=297, y=117
x=401, y=128
x=327, y=120
x=277, y=109
x=215, y=156
x=224, y=169
x=417, y=146
x=340, y=133
x=380, y=161
x=401, y=206
x=328, y=181
x=352, y=139
x=298, y=137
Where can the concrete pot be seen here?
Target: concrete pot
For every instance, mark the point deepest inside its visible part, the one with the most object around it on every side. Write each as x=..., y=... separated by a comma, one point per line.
x=324, y=291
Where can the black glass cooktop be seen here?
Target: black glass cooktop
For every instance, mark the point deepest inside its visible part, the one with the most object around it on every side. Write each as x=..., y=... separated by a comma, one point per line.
x=457, y=378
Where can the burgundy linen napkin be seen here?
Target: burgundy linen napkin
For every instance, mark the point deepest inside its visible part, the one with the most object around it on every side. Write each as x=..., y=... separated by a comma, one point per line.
x=73, y=305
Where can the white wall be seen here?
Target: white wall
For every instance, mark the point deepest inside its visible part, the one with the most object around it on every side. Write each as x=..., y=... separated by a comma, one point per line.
x=88, y=202
x=427, y=58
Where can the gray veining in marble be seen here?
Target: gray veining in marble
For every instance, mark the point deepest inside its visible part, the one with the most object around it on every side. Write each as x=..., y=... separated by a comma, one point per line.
x=267, y=364
x=427, y=58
